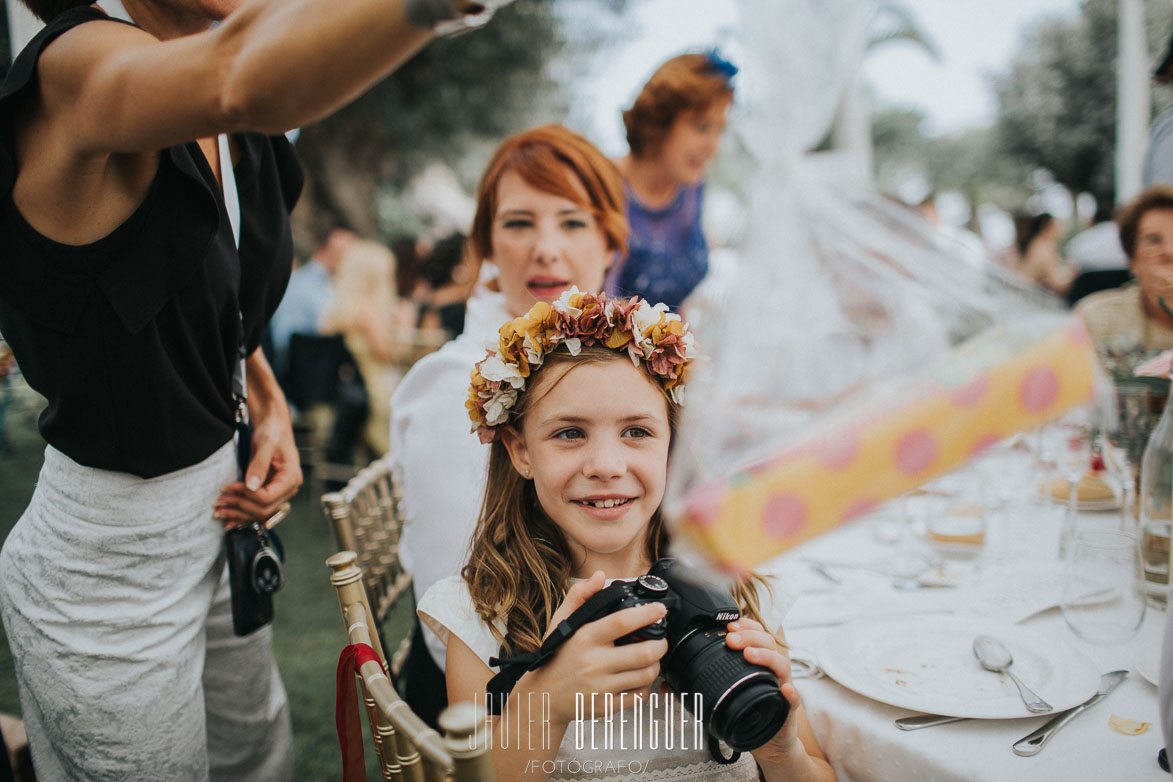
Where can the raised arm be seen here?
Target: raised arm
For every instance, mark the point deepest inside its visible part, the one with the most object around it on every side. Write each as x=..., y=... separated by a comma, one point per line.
x=270, y=66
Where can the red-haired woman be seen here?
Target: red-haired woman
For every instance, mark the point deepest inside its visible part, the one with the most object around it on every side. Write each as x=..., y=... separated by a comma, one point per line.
x=549, y=217
x=673, y=130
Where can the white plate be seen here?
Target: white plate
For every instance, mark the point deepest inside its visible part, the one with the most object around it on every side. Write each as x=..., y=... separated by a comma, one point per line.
x=1148, y=663
x=926, y=663
x=1108, y=503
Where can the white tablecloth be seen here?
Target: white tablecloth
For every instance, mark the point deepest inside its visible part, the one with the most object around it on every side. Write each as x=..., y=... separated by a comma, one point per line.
x=858, y=734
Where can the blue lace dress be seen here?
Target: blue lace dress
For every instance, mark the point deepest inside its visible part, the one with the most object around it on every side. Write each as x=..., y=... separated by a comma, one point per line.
x=667, y=255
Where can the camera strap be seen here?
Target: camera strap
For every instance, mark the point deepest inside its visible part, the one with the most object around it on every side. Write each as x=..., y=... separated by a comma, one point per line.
x=239, y=382
x=513, y=667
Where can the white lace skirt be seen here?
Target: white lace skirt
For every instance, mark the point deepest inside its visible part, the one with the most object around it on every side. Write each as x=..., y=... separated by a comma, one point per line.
x=115, y=601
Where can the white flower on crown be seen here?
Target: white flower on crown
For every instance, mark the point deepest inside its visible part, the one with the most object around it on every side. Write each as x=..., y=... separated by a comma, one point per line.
x=644, y=318
x=497, y=408
x=494, y=369
x=562, y=304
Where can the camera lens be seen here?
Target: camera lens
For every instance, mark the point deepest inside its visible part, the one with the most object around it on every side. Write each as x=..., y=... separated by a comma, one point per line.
x=751, y=713
x=743, y=704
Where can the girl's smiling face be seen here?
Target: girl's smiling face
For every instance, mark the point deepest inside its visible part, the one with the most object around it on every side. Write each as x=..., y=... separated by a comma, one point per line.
x=596, y=445
x=544, y=244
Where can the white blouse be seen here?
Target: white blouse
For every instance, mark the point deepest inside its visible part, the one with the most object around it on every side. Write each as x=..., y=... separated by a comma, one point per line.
x=654, y=740
x=439, y=463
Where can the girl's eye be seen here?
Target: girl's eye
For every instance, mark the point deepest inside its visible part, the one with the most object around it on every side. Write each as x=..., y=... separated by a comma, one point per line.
x=637, y=432
x=569, y=434
x=574, y=223
x=516, y=223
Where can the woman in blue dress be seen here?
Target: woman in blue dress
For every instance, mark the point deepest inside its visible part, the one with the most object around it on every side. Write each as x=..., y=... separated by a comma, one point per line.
x=673, y=130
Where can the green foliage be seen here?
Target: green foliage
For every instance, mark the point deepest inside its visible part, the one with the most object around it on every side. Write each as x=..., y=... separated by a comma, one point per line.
x=452, y=102
x=969, y=162
x=1057, y=101
x=487, y=83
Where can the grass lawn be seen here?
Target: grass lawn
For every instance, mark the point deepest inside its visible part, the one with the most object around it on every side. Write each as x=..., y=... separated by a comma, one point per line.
x=308, y=627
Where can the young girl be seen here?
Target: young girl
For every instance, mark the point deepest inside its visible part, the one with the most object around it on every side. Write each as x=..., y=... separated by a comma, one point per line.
x=549, y=217
x=579, y=403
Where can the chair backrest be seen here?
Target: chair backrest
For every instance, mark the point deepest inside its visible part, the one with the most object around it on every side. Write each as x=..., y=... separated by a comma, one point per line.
x=407, y=747
x=366, y=519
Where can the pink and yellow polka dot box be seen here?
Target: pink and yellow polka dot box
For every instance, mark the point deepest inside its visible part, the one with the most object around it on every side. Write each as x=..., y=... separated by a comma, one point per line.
x=1006, y=381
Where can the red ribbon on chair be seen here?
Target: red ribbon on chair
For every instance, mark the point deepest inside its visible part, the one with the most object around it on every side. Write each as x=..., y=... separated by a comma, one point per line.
x=347, y=715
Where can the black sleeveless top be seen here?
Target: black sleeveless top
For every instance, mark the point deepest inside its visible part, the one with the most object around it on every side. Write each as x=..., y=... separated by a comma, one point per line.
x=133, y=338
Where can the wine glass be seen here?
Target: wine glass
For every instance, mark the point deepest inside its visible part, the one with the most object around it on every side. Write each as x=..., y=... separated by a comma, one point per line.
x=1102, y=601
x=1067, y=445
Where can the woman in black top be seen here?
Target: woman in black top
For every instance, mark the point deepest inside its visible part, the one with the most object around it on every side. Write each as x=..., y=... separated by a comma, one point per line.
x=127, y=304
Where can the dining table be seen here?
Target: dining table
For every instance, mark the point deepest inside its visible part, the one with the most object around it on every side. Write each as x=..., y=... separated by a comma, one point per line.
x=878, y=581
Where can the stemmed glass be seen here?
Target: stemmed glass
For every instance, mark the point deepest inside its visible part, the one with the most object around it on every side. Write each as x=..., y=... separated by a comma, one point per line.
x=1118, y=464
x=1067, y=445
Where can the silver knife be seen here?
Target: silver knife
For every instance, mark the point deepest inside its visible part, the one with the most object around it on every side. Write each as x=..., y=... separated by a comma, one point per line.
x=1031, y=744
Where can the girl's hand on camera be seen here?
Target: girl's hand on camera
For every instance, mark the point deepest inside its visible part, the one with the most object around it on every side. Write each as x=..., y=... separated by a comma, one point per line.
x=590, y=663
x=760, y=647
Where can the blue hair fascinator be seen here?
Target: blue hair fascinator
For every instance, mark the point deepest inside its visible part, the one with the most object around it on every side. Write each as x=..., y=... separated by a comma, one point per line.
x=720, y=64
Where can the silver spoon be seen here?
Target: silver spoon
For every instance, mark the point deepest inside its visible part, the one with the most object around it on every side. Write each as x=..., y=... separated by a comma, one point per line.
x=994, y=656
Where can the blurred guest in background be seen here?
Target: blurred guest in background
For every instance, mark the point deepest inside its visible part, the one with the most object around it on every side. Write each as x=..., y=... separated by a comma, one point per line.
x=673, y=130
x=308, y=295
x=365, y=310
x=952, y=240
x=1039, y=259
x=1158, y=156
x=1097, y=247
x=408, y=258
x=1139, y=313
x=450, y=273
x=549, y=217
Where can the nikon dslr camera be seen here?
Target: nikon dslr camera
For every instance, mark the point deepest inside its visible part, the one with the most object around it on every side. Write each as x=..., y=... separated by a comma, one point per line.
x=743, y=704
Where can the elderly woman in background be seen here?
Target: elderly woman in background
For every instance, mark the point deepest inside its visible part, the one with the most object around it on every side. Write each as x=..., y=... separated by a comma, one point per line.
x=549, y=217
x=1139, y=312
x=366, y=312
x=673, y=131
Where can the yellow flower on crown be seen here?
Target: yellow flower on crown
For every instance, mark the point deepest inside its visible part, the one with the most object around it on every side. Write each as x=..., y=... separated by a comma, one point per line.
x=649, y=334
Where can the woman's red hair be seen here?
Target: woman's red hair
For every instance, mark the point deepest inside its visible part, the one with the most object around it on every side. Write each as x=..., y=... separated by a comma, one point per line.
x=688, y=82
x=550, y=158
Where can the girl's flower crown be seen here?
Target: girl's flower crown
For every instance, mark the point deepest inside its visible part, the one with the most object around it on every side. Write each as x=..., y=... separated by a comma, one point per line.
x=648, y=333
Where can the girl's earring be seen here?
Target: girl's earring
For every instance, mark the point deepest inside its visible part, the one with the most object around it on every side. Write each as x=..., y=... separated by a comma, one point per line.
x=526, y=473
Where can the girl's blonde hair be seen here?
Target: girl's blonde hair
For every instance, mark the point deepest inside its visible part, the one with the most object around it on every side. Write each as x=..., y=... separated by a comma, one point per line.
x=364, y=281
x=520, y=566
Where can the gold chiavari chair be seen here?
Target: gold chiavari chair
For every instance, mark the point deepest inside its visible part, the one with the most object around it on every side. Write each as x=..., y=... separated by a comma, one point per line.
x=366, y=519
x=407, y=748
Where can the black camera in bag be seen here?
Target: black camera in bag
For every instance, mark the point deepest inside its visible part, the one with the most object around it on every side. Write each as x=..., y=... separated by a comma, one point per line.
x=254, y=574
